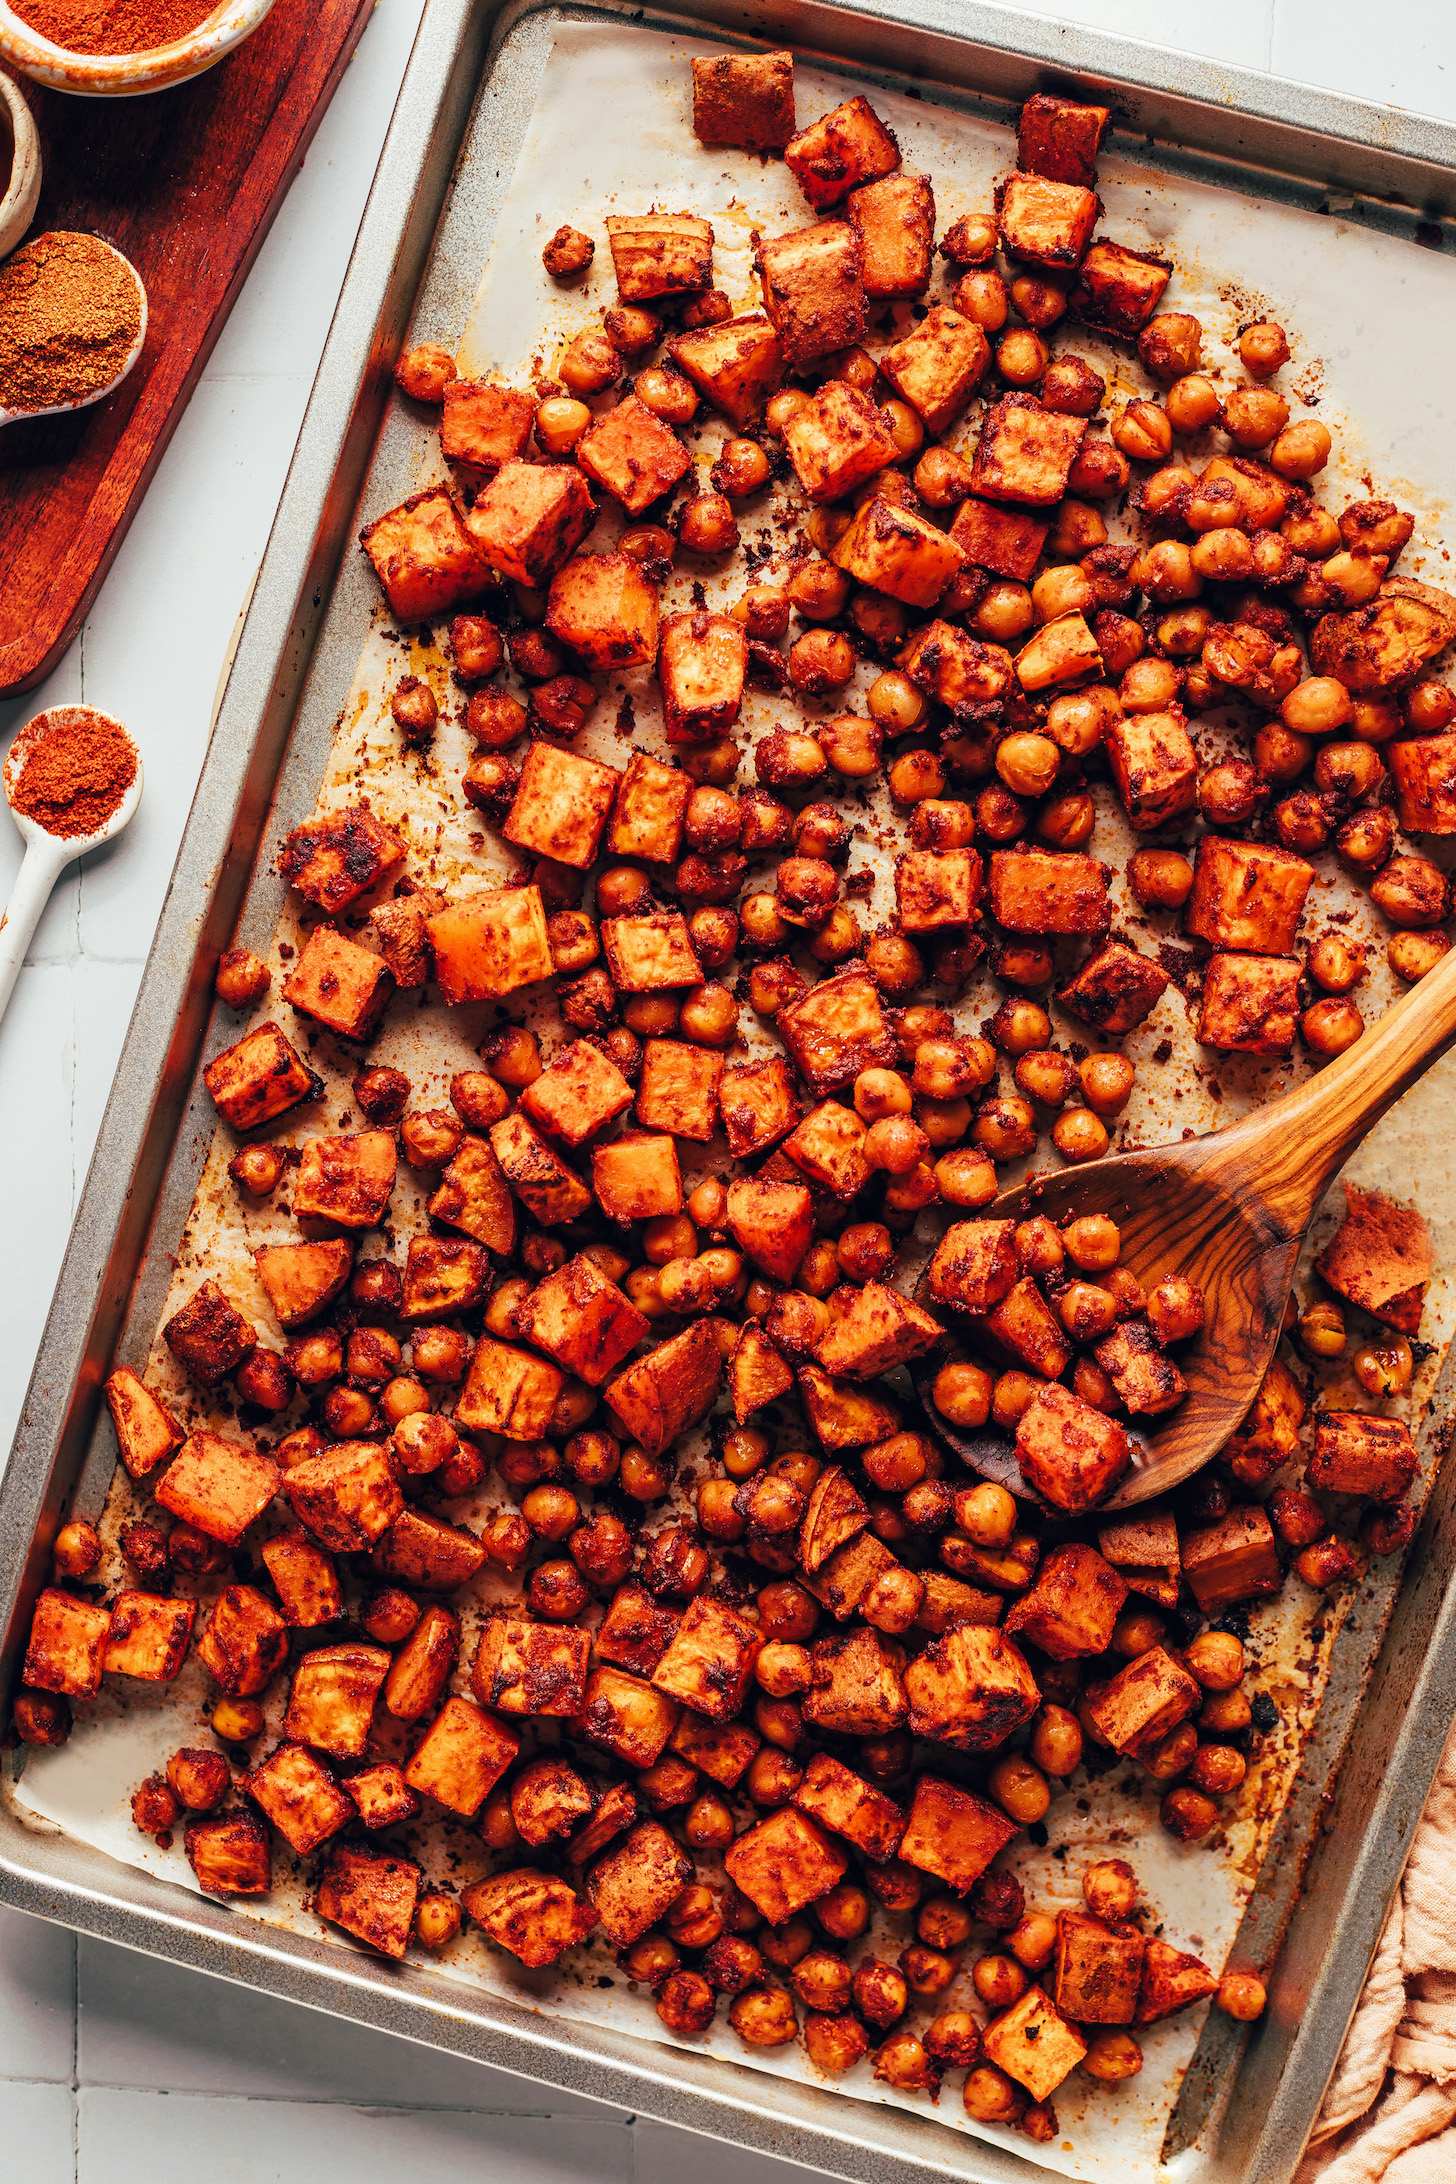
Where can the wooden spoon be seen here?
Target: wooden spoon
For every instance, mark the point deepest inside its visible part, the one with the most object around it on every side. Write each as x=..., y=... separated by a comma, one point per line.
x=1229, y=1210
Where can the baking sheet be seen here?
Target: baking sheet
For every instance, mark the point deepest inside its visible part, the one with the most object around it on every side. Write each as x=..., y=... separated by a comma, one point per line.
x=1329, y=283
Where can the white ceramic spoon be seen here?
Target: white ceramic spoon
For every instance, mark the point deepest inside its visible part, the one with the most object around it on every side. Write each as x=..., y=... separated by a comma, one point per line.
x=58, y=409
x=46, y=855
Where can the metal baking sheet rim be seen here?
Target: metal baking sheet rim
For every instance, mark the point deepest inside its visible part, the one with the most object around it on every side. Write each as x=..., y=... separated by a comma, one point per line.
x=150, y=1147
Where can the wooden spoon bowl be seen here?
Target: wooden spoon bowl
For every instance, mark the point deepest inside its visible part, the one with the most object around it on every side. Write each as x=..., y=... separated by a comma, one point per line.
x=1229, y=1211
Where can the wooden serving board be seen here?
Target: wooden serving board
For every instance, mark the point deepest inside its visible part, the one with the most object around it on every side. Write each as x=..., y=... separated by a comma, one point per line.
x=186, y=183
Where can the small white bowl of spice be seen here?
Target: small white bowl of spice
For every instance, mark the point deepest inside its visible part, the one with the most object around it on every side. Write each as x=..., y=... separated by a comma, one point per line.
x=73, y=322
x=19, y=165
x=120, y=48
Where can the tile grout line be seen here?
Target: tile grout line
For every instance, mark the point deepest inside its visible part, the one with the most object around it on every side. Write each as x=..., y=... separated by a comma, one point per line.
x=75, y=2057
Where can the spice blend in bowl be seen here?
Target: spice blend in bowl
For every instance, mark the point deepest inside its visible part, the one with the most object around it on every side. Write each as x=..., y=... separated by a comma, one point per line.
x=71, y=314
x=121, y=48
x=115, y=26
x=74, y=773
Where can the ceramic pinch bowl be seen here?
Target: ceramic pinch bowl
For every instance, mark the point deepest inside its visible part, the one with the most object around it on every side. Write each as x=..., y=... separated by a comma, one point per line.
x=127, y=75
x=19, y=166
x=98, y=394
x=47, y=855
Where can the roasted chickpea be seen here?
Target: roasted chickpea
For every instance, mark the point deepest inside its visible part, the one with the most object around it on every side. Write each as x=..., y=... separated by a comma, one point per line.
x=1301, y=451
x=942, y=479
x=894, y=963
x=1012, y=1397
x=1005, y=1126
x=1383, y=1368
x=1387, y=1530
x=1040, y=302
x=895, y=705
x=1056, y=1743
x=41, y=1718
x=1020, y=1789
x=1004, y=614
x=819, y=661
x=424, y=372
x=835, y=2044
x=741, y=468
x=1188, y=1815
x=705, y=524
x=981, y=297
x=241, y=978
x=1413, y=955
x=589, y=364
x=1093, y=1242
x=1021, y=356
x=1027, y=763
x=851, y=745
x=77, y=1548
x=1217, y=1769
x=1330, y=1026
x=1112, y=2055
x=155, y=1809
x=667, y=394
x=1046, y=1077
x=764, y=2017
x=1223, y=1714
x=962, y=1394
x=999, y=1981
x=822, y=1980
x=1175, y=1309
x=238, y=1721
x=844, y=1912
x=1080, y=1135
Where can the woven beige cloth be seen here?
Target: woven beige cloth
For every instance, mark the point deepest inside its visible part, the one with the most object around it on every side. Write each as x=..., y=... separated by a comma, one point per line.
x=1390, y=2114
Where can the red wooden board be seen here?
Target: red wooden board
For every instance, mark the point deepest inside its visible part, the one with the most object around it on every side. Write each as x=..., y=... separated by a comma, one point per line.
x=186, y=182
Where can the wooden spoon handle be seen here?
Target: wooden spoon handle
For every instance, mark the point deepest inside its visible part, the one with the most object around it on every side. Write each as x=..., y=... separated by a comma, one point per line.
x=1287, y=1153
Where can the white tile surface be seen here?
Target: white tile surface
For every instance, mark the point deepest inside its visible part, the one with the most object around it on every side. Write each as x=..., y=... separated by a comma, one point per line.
x=258, y=2090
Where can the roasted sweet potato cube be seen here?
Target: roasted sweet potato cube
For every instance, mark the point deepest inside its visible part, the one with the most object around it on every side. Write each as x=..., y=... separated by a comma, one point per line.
x=219, y=1485
x=474, y=1196
x=551, y=1192
x=1247, y=895
x=371, y=1896
x=1235, y=1559
x=1059, y=138
x=970, y=1688
x=582, y=1320
x=633, y=455
x=533, y=1915
x=1062, y=652
x=1359, y=1453
x=635, y=1631
x=758, y=1103
x=382, y=1797
x=843, y=1415
x=346, y=1182
x=1034, y=2044
x=304, y=1578
x=842, y=1582
x=949, y=1602
x=1115, y=989
x=1250, y=1004
x=424, y=556
x=262, y=1076
x=342, y=986
x=1145, y=1377
x=1071, y=1608
x=637, y=1178
x=708, y=1663
x=332, y=1697
x=1380, y=1258
x=975, y=1265
x=669, y=1390
x=772, y=1223
x=146, y=1431
x=838, y=1799
x=839, y=151
x=1045, y=223
x=1144, y=1701
x=678, y=1089
x=148, y=1637
x=531, y=1668
x=702, y=665
x=956, y=669
x=461, y=1757
x=301, y=1279
x=756, y=1372
x=334, y=859
x=837, y=440
x=647, y=819
x=1043, y=891
x=348, y=1496
x=952, y=1833
x=298, y=1794
x=660, y=254
x=1118, y=289
x=67, y=1645
x=649, y=954
x=1006, y=1569
x=783, y=1863
x=827, y=1148
x=1154, y=765
x=508, y=1392
x=633, y=1885
x=878, y=1330
x=442, y=1275
x=936, y=887
x=491, y=945
x=1143, y=1548
x=603, y=607
x=531, y=518
x=893, y=550
x=837, y=1030
x=894, y=219
x=1378, y=647
x=208, y=1335
x=230, y=1855
x=423, y=1665
x=745, y=100
x=721, y=1750
x=1025, y=452
x=1171, y=1981
x=1026, y=1330
x=400, y=932
x=624, y=1716
x=857, y=1690
x=617, y=1810
x=484, y=423
x=578, y=1093
x=813, y=291
x=1006, y=541
x=835, y=1515
x=561, y=805
x=1424, y=774
x=734, y=365
x=425, y=1552
x=1072, y=1454
x=1098, y=1969
x=244, y=1641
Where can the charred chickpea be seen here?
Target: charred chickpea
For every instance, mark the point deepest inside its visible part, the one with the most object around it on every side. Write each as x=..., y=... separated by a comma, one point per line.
x=646, y=1478
x=666, y=393
x=1386, y=1529
x=77, y=1548
x=706, y=524
x=881, y=621
x=1005, y=1126
x=1383, y=1368
x=820, y=661
x=1253, y=416
x=41, y=1718
x=865, y=1250
x=1067, y=589
x=414, y=709
x=986, y=1514
x=651, y=545
x=942, y=478
x=568, y=254
x=944, y=1922
x=241, y=978
x=1413, y=955
x=999, y=1981
x=1297, y=1517
x=741, y=468
x=1217, y=1769
x=1188, y=1815
x=154, y=1806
